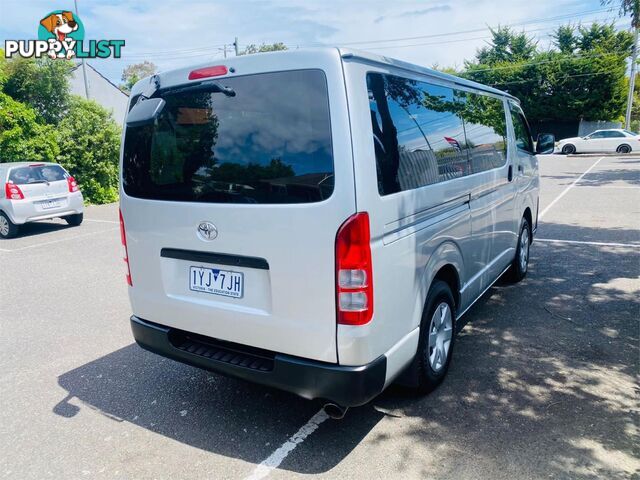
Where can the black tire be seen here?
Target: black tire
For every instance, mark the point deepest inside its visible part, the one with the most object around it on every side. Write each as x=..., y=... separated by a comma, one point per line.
x=568, y=149
x=8, y=229
x=428, y=378
x=624, y=148
x=520, y=265
x=74, y=220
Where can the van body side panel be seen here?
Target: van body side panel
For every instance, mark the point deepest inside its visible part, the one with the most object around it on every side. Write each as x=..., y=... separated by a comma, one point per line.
x=406, y=229
x=288, y=304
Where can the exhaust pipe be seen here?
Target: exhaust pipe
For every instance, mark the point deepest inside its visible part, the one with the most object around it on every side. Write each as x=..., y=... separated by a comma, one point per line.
x=337, y=412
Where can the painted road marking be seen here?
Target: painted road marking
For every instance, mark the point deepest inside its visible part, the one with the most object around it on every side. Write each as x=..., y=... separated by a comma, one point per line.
x=276, y=458
x=566, y=190
x=580, y=242
x=99, y=221
x=60, y=240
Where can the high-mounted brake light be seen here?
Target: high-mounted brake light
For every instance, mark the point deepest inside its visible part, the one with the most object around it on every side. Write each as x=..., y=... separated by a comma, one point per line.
x=123, y=239
x=354, y=273
x=73, y=185
x=12, y=191
x=207, y=72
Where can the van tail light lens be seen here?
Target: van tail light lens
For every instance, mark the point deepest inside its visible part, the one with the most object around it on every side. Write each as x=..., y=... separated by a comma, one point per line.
x=123, y=239
x=354, y=274
x=12, y=191
x=207, y=72
x=73, y=185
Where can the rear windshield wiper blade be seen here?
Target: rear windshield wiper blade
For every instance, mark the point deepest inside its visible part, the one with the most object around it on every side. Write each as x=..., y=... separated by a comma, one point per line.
x=211, y=87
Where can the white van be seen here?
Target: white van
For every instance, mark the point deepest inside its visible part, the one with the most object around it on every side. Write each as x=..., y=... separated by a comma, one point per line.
x=318, y=221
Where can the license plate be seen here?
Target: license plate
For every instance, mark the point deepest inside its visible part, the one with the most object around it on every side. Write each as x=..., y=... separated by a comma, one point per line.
x=47, y=204
x=216, y=281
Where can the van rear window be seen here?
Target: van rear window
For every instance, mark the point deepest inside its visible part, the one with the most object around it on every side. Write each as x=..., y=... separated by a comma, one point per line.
x=265, y=139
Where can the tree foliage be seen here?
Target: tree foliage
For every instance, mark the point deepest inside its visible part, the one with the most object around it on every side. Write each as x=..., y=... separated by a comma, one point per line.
x=627, y=7
x=42, y=83
x=265, y=47
x=582, y=77
x=135, y=72
x=89, y=141
x=22, y=138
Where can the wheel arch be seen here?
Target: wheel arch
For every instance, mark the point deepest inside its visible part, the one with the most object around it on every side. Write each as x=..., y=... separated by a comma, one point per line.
x=445, y=263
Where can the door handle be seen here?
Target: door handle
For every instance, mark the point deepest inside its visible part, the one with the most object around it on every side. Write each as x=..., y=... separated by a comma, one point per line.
x=510, y=174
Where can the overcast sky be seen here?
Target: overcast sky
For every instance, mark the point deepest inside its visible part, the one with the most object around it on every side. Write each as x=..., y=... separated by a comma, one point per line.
x=174, y=33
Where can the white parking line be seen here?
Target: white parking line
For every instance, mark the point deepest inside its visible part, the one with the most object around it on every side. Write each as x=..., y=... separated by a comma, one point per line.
x=60, y=240
x=99, y=221
x=564, y=192
x=580, y=242
x=276, y=458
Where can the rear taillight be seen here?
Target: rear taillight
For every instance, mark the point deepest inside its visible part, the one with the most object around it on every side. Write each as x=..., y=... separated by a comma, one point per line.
x=207, y=72
x=354, y=274
x=73, y=185
x=123, y=238
x=12, y=191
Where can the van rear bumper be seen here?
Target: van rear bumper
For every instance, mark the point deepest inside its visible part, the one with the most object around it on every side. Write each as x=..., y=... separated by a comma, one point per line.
x=349, y=386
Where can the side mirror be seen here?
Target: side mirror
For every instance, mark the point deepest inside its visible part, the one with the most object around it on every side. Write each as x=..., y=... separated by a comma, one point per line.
x=145, y=112
x=546, y=143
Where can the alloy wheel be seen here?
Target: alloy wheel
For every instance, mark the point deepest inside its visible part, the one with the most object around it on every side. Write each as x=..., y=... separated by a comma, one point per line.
x=440, y=334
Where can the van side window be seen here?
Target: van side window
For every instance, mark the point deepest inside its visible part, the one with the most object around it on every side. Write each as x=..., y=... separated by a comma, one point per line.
x=485, y=128
x=521, y=130
x=425, y=134
x=418, y=135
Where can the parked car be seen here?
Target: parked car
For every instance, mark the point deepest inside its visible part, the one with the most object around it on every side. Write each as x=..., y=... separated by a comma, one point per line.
x=37, y=191
x=307, y=220
x=601, y=141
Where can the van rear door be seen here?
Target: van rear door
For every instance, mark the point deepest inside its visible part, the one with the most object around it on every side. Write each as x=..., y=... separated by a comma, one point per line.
x=231, y=201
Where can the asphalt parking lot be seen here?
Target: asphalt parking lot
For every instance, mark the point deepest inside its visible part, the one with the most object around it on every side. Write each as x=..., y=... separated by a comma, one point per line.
x=543, y=382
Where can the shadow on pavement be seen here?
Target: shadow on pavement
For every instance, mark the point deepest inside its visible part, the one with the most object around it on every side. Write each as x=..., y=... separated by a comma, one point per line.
x=221, y=415
x=38, y=228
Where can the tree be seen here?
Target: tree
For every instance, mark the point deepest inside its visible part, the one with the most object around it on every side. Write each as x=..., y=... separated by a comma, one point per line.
x=506, y=46
x=583, y=78
x=135, y=72
x=22, y=138
x=41, y=83
x=271, y=47
x=627, y=7
x=89, y=141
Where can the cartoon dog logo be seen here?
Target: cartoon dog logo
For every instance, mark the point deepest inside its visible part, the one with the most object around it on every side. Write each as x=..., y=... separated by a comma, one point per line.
x=60, y=24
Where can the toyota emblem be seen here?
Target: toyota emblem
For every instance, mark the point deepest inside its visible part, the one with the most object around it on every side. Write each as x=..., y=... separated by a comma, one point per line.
x=207, y=231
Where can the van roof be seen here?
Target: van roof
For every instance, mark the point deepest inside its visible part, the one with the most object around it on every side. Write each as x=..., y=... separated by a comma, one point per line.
x=346, y=54
x=375, y=59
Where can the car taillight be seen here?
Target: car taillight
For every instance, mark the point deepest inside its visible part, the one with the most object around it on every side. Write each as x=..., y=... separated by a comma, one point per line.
x=73, y=185
x=207, y=72
x=123, y=238
x=354, y=273
x=12, y=191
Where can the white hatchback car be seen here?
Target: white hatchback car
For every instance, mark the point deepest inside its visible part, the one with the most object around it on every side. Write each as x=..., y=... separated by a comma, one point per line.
x=37, y=191
x=601, y=141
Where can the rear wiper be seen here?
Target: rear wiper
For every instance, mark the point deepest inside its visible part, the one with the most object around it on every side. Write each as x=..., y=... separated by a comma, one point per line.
x=38, y=181
x=208, y=86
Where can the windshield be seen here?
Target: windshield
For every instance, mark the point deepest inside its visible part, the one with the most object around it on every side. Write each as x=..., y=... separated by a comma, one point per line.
x=37, y=174
x=268, y=143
